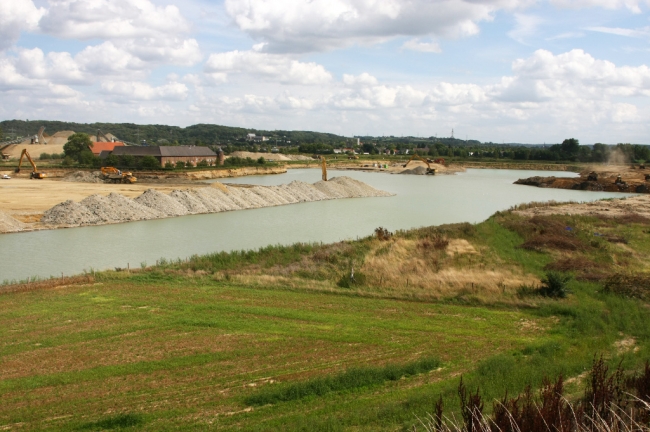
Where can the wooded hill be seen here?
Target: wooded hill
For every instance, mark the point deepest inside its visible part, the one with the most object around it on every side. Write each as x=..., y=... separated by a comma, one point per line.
x=200, y=134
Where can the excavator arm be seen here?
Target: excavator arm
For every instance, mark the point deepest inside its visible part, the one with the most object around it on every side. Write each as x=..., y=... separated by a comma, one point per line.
x=415, y=156
x=35, y=174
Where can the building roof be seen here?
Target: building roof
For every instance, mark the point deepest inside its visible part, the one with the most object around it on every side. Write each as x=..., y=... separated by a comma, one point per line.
x=99, y=147
x=165, y=151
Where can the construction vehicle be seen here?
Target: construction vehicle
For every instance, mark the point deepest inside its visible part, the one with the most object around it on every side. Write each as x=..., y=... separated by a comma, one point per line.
x=430, y=170
x=39, y=138
x=323, y=165
x=5, y=156
x=440, y=161
x=116, y=176
x=35, y=173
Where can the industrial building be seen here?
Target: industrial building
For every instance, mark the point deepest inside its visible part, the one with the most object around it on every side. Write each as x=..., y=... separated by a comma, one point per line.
x=171, y=154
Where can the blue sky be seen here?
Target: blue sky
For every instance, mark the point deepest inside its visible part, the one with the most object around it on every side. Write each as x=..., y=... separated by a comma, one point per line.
x=502, y=70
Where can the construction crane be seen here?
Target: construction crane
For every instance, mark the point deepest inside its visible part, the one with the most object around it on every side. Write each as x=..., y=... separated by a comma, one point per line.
x=117, y=176
x=430, y=170
x=323, y=166
x=35, y=174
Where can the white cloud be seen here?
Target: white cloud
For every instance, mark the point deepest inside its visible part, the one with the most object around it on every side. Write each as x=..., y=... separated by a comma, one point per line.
x=273, y=67
x=130, y=91
x=525, y=28
x=416, y=45
x=638, y=33
x=632, y=5
x=17, y=16
x=111, y=19
x=317, y=25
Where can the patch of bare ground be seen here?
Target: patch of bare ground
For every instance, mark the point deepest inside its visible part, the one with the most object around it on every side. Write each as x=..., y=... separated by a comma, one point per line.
x=633, y=209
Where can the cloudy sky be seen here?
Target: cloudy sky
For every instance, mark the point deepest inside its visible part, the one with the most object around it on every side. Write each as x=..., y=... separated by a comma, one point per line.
x=495, y=70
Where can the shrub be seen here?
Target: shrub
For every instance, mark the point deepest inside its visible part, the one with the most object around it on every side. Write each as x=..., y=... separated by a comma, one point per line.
x=554, y=285
x=202, y=163
x=45, y=156
x=180, y=165
x=169, y=165
x=352, y=279
x=261, y=160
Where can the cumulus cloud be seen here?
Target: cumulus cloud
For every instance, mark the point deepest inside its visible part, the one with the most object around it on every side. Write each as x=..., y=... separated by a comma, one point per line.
x=130, y=91
x=317, y=25
x=574, y=74
x=17, y=16
x=137, y=28
x=111, y=19
x=274, y=67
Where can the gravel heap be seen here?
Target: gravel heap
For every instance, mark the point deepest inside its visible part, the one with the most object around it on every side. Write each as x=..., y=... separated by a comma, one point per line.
x=152, y=204
x=84, y=177
x=9, y=224
x=415, y=171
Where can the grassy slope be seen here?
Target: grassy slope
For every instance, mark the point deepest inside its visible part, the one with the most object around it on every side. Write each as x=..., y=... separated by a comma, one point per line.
x=183, y=345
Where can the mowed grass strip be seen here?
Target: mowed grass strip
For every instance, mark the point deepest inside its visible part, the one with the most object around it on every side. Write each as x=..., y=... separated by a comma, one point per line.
x=351, y=379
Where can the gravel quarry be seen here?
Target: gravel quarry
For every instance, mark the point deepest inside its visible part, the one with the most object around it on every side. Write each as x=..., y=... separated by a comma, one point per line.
x=152, y=204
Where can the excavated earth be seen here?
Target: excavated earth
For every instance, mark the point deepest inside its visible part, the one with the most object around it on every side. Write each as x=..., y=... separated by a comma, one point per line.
x=152, y=204
x=605, y=178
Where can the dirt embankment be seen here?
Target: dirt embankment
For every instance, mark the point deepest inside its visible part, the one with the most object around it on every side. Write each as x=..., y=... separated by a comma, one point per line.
x=624, y=208
x=521, y=166
x=152, y=204
x=630, y=179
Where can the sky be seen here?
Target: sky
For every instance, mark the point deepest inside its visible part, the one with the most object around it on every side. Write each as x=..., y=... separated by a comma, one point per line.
x=529, y=71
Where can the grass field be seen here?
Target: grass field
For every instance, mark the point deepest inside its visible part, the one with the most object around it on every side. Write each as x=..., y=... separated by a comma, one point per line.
x=272, y=340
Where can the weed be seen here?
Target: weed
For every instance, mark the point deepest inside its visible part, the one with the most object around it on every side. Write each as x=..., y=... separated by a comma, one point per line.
x=554, y=285
x=383, y=234
x=119, y=421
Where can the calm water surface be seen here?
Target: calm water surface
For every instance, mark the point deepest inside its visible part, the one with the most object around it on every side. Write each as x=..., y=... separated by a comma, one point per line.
x=420, y=201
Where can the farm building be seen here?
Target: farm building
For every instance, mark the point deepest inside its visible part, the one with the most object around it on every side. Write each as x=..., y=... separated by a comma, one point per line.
x=172, y=154
x=99, y=147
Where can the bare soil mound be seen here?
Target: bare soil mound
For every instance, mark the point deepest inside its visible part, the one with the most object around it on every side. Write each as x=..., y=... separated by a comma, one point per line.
x=9, y=224
x=152, y=204
x=84, y=177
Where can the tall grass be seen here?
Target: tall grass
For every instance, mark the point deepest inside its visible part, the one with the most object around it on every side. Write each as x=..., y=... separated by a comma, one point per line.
x=351, y=379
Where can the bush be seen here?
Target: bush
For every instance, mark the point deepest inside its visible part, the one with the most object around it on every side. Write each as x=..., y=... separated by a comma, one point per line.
x=67, y=161
x=169, y=165
x=261, y=160
x=149, y=162
x=180, y=165
x=45, y=156
x=202, y=164
x=554, y=285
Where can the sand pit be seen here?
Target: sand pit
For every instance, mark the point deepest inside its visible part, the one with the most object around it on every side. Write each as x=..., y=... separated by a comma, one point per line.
x=115, y=208
x=270, y=156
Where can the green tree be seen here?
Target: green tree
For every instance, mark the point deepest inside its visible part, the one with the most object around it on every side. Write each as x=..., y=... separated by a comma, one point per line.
x=77, y=143
x=149, y=162
x=86, y=157
x=570, y=146
x=112, y=160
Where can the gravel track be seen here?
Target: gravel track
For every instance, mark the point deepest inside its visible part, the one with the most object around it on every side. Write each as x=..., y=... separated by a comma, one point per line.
x=153, y=204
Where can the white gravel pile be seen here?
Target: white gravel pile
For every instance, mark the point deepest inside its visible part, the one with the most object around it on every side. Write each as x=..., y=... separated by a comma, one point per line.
x=152, y=204
x=84, y=177
x=346, y=187
x=9, y=224
x=162, y=203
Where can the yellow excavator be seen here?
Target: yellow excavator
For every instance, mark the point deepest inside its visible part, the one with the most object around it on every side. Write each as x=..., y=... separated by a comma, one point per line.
x=430, y=170
x=323, y=166
x=35, y=173
x=117, y=176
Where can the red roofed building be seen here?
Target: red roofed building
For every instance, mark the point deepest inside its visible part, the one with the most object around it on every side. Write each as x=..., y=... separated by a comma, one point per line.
x=99, y=147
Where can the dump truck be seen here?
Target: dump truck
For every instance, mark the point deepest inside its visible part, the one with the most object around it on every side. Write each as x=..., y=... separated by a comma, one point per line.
x=35, y=174
x=114, y=175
